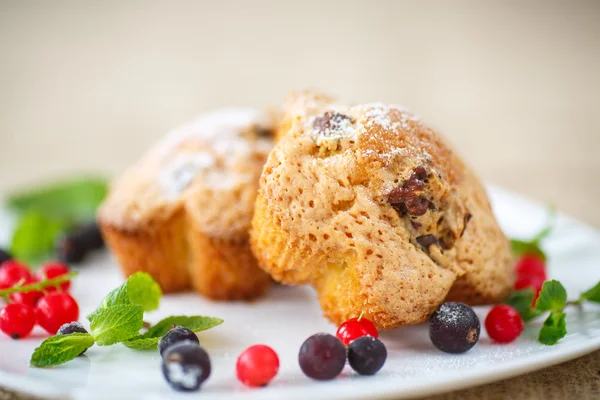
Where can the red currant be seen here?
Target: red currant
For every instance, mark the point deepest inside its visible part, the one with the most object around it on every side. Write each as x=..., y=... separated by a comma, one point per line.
x=56, y=309
x=530, y=265
x=13, y=272
x=29, y=298
x=257, y=365
x=503, y=324
x=53, y=270
x=355, y=328
x=17, y=320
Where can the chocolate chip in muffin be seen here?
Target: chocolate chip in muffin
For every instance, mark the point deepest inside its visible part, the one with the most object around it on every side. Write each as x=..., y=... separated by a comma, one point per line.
x=409, y=198
x=331, y=123
x=427, y=240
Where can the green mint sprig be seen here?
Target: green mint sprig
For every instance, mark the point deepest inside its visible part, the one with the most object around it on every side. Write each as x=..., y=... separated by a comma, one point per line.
x=552, y=299
x=149, y=340
x=119, y=319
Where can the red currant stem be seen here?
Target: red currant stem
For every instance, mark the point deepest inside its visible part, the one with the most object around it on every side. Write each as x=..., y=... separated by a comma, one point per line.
x=5, y=298
x=147, y=325
x=38, y=286
x=360, y=316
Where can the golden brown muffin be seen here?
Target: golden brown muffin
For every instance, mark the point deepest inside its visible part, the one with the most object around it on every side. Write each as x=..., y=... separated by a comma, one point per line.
x=375, y=211
x=182, y=213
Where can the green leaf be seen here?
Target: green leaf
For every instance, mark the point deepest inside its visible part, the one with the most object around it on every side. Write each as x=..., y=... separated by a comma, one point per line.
x=76, y=199
x=553, y=297
x=521, y=247
x=59, y=349
x=138, y=289
x=142, y=343
x=35, y=235
x=554, y=329
x=149, y=340
x=522, y=301
x=143, y=291
x=593, y=294
x=117, y=323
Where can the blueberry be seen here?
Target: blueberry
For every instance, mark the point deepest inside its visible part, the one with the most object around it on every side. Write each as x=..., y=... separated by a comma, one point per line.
x=4, y=256
x=454, y=328
x=90, y=236
x=175, y=335
x=72, y=327
x=186, y=366
x=70, y=249
x=322, y=356
x=366, y=355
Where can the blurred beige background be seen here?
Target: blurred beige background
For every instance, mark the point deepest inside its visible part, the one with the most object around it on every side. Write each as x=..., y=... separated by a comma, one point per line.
x=87, y=86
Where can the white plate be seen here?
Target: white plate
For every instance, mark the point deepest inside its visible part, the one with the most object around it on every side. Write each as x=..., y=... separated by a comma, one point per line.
x=287, y=316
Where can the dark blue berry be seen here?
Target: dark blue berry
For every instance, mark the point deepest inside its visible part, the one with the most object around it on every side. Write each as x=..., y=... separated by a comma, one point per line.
x=322, y=356
x=4, y=256
x=70, y=249
x=73, y=327
x=186, y=366
x=366, y=355
x=90, y=236
x=454, y=328
x=175, y=335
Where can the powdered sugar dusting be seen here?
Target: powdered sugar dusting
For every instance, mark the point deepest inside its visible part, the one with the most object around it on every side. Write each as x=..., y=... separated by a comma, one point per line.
x=181, y=171
x=212, y=147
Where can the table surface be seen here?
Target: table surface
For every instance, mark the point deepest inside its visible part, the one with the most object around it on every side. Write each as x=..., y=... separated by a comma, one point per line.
x=513, y=86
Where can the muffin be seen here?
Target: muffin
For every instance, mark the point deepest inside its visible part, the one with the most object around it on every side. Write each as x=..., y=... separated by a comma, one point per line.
x=182, y=213
x=375, y=211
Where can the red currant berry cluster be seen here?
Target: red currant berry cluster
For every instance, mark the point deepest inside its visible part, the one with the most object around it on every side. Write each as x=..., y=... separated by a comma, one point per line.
x=50, y=307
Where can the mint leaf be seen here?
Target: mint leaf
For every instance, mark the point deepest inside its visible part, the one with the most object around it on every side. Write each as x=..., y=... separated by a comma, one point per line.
x=521, y=247
x=143, y=291
x=554, y=329
x=75, y=199
x=138, y=289
x=522, y=300
x=117, y=323
x=142, y=343
x=149, y=340
x=553, y=297
x=59, y=349
x=34, y=236
x=593, y=294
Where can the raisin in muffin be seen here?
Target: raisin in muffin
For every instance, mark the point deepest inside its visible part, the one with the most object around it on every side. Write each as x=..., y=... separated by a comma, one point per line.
x=371, y=207
x=182, y=213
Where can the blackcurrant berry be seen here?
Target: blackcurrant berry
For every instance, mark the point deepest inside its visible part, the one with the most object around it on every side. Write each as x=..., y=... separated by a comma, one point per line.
x=175, y=335
x=322, y=356
x=454, y=328
x=73, y=327
x=186, y=366
x=90, y=236
x=70, y=249
x=366, y=355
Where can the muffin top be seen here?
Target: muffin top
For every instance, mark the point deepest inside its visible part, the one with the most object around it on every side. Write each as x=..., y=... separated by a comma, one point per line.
x=380, y=196
x=209, y=168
